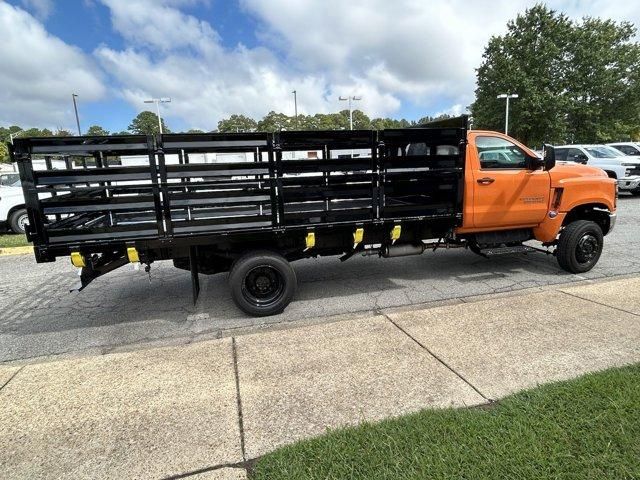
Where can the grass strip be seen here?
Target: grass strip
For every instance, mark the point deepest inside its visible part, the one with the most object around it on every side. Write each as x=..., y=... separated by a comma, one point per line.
x=587, y=428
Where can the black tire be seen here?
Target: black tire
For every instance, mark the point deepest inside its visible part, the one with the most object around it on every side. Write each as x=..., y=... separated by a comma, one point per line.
x=262, y=283
x=580, y=246
x=636, y=193
x=18, y=219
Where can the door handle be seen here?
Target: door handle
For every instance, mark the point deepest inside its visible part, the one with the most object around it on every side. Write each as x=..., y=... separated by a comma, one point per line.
x=486, y=180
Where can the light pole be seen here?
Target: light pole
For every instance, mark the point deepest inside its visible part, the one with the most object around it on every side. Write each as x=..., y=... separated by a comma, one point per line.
x=507, y=96
x=158, y=101
x=350, y=99
x=14, y=135
x=295, y=106
x=75, y=108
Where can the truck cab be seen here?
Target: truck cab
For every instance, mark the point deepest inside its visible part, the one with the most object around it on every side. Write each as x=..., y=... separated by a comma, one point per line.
x=511, y=196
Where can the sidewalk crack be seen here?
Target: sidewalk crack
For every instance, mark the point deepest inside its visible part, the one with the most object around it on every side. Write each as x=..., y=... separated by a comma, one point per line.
x=600, y=303
x=236, y=372
x=438, y=359
x=12, y=377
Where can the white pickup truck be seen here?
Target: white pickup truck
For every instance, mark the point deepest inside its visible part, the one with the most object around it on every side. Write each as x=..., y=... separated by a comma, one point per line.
x=12, y=211
x=624, y=168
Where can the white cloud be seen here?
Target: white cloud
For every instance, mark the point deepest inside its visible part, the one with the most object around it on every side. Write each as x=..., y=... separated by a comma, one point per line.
x=42, y=9
x=420, y=51
x=40, y=72
x=406, y=52
x=174, y=54
x=158, y=24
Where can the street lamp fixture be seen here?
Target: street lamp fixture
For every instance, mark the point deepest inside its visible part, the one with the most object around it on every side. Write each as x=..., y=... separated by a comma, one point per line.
x=75, y=108
x=350, y=99
x=507, y=96
x=295, y=106
x=158, y=101
x=14, y=135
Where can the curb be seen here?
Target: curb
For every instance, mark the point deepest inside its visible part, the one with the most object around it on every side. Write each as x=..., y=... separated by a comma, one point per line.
x=16, y=250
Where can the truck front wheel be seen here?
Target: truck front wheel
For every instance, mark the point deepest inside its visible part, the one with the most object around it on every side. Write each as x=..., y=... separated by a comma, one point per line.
x=580, y=246
x=262, y=283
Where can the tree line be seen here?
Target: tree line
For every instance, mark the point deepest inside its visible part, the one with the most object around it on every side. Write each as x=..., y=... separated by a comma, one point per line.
x=146, y=123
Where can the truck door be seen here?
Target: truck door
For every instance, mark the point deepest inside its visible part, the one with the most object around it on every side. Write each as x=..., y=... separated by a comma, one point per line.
x=505, y=192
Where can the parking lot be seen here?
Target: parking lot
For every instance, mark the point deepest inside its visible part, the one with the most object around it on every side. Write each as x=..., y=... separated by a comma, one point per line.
x=40, y=317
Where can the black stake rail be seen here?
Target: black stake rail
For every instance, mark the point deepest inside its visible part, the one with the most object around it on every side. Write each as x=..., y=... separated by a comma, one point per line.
x=118, y=190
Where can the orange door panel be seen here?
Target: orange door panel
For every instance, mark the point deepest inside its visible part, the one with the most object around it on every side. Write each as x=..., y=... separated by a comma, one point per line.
x=503, y=198
x=505, y=193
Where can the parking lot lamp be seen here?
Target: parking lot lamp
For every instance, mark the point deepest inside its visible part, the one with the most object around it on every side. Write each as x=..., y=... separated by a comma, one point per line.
x=14, y=135
x=295, y=107
x=158, y=101
x=350, y=99
x=75, y=108
x=507, y=96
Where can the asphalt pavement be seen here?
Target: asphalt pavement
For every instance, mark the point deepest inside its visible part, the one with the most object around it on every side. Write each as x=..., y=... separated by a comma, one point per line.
x=39, y=317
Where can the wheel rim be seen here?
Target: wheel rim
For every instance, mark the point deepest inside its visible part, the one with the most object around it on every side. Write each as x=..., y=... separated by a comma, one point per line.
x=23, y=221
x=587, y=248
x=263, y=286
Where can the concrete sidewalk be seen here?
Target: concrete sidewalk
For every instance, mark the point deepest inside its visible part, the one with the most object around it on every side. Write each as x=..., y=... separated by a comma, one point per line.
x=203, y=410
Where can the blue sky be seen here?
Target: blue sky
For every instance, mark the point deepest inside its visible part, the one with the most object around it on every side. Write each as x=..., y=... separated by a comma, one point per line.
x=406, y=58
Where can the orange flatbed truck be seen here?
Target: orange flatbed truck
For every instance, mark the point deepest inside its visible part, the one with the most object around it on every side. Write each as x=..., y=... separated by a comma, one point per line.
x=251, y=203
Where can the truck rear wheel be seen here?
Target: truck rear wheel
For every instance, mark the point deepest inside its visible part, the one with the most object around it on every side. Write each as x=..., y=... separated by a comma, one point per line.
x=262, y=283
x=18, y=220
x=580, y=246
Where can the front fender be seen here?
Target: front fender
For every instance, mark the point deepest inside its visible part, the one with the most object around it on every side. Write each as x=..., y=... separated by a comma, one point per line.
x=584, y=190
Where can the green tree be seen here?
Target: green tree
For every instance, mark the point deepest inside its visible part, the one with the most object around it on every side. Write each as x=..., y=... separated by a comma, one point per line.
x=97, y=131
x=195, y=130
x=4, y=153
x=274, y=122
x=576, y=81
x=146, y=123
x=237, y=123
x=61, y=132
x=603, y=81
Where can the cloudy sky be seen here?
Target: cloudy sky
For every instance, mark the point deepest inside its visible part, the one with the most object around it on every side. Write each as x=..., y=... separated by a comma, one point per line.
x=406, y=58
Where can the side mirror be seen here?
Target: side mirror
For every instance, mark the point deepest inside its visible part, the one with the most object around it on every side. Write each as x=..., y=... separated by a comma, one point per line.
x=548, y=156
x=534, y=163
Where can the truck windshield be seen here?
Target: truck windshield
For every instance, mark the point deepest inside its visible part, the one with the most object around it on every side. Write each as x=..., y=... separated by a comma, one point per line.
x=603, y=152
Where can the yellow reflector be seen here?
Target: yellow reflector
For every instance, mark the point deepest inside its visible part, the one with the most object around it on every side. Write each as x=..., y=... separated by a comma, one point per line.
x=310, y=241
x=77, y=260
x=132, y=254
x=395, y=232
x=358, y=235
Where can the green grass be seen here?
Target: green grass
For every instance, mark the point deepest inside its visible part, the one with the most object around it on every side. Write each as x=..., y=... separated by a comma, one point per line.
x=588, y=428
x=12, y=240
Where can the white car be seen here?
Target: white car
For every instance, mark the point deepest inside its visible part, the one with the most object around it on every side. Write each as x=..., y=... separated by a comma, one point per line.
x=12, y=210
x=631, y=149
x=625, y=169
